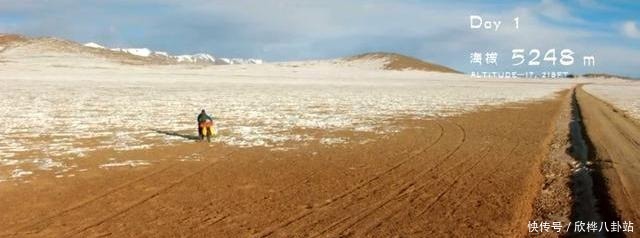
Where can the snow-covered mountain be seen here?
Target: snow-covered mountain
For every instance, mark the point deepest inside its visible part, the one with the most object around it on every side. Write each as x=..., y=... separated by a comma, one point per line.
x=201, y=58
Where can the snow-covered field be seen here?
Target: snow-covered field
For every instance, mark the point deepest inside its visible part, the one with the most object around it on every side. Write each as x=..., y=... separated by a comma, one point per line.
x=56, y=113
x=623, y=95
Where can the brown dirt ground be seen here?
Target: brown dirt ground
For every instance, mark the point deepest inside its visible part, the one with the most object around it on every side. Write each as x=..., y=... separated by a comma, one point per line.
x=473, y=175
x=10, y=38
x=616, y=140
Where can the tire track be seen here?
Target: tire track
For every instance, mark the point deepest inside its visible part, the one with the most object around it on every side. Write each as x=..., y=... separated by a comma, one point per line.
x=215, y=221
x=141, y=201
x=415, y=191
x=377, y=223
x=479, y=181
x=448, y=189
x=93, y=199
x=331, y=201
x=405, y=193
x=308, y=178
x=451, y=186
x=405, y=177
x=286, y=188
x=41, y=225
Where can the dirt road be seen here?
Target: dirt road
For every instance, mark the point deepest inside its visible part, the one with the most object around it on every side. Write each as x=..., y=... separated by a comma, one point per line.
x=616, y=142
x=471, y=175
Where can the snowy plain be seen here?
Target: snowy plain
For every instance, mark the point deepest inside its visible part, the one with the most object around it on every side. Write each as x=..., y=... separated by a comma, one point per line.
x=623, y=95
x=57, y=112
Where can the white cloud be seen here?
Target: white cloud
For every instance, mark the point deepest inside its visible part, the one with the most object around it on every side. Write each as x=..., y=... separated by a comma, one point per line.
x=630, y=29
x=555, y=10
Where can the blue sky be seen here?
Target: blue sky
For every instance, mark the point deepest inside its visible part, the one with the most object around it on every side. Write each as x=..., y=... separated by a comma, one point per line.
x=280, y=30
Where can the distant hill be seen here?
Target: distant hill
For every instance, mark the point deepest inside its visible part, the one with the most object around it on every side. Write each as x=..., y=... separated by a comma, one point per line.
x=17, y=48
x=605, y=75
x=20, y=48
x=59, y=52
x=394, y=61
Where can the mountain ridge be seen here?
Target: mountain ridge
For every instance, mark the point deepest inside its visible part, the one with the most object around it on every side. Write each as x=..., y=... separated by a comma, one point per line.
x=198, y=58
x=27, y=47
x=32, y=46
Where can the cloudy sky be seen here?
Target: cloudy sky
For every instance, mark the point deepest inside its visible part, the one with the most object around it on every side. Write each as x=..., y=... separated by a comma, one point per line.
x=281, y=30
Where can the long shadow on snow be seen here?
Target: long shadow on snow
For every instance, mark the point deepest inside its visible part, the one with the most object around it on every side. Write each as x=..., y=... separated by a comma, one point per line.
x=177, y=134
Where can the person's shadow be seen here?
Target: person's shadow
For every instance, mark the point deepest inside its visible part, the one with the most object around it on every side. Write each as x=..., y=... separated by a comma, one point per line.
x=173, y=133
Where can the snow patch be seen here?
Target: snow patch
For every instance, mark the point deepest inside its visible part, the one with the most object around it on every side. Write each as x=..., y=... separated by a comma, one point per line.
x=129, y=163
x=333, y=140
x=94, y=45
x=8, y=162
x=47, y=164
x=144, y=52
x=19, y=173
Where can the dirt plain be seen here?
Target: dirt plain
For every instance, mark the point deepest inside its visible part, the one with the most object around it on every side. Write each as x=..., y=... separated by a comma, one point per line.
x=473, y=175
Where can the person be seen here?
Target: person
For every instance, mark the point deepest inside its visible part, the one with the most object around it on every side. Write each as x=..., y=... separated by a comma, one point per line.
x=202, y=118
